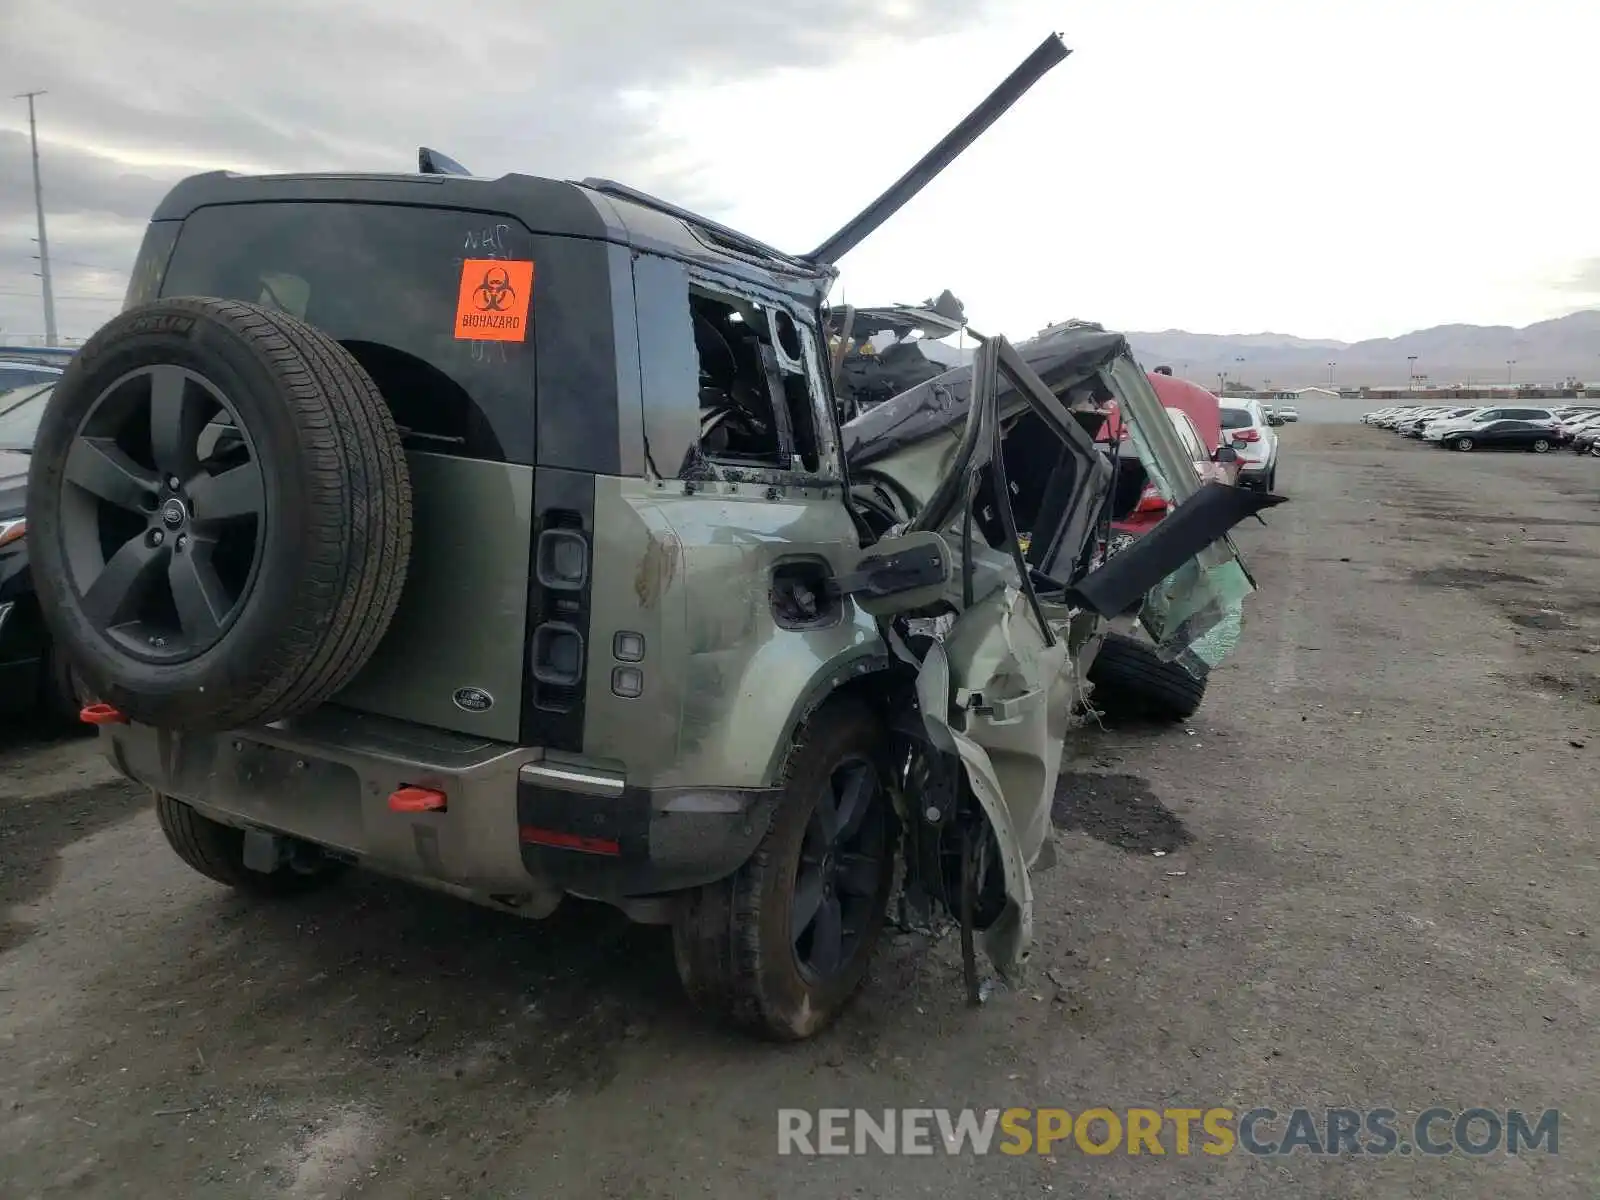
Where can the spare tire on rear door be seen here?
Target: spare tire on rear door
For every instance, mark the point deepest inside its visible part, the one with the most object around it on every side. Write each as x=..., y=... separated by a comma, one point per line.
x=219, y=514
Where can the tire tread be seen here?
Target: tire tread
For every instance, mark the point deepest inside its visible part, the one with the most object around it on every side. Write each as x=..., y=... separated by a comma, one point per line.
x=356, y=540
x=1132, y=682
x=719, y=942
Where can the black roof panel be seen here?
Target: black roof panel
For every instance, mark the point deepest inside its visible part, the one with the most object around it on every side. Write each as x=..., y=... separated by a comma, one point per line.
x=546, y=206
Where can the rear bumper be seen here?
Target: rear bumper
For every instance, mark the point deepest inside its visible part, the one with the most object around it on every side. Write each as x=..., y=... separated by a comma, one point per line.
x=517, y=824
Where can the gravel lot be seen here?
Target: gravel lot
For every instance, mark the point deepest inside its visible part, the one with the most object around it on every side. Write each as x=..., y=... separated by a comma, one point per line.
x=1381, y=887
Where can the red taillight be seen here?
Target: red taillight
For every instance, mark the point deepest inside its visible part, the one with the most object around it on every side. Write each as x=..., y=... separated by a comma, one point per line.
x=1150, y=500
x=1245, y=435
x=562, y=840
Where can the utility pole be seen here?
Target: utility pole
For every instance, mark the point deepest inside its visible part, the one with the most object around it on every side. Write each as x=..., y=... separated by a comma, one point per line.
x=44, y=246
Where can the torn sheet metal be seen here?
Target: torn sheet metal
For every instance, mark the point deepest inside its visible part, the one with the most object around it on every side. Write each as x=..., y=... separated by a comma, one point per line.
x=1011, y=696
x=1194, y=613
x=1153, y=567
x=1072, y=358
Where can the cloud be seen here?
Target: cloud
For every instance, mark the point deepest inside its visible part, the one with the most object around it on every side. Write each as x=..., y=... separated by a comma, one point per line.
x=1142, y=184
x=1585, y=278
x=81, y=182
x=141, y=95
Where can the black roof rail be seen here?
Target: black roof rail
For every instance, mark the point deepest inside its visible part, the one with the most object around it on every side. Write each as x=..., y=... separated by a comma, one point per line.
x=721, y=232
x=1033, y=68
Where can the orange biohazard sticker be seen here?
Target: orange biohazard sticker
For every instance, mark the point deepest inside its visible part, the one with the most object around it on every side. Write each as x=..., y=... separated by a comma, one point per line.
x=492, y=305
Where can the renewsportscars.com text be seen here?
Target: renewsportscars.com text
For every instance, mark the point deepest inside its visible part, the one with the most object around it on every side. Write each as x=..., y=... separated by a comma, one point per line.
x=1160, y=1131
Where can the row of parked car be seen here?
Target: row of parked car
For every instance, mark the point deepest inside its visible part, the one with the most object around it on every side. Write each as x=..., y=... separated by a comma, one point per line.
x=1534, y=428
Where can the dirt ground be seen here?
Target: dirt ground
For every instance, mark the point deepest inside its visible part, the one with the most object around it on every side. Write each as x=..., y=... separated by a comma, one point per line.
x=1380, y=887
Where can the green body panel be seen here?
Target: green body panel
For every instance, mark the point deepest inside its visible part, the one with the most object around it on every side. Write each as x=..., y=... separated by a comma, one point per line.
x=724, y=681
x=463, y=615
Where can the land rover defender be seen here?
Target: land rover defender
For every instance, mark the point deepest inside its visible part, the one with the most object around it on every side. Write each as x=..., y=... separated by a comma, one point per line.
x=499, y=534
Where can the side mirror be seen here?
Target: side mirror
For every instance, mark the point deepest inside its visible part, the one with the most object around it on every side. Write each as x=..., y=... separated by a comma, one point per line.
x=1225, y=454
x=1274, y=421
x=899, y=574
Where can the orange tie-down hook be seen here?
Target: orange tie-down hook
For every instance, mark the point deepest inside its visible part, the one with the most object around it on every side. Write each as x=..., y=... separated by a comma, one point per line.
x=101, y=714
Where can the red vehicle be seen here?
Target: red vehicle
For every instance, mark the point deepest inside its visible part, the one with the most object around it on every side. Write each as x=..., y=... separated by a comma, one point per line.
x=1197, y=417
x=1199, y=405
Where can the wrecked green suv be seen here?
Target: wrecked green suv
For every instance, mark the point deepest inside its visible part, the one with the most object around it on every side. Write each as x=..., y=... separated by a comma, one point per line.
x=500, y=535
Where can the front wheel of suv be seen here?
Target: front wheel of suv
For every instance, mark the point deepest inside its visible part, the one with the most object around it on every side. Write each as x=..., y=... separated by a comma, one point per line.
x=780, y=946
x=217, y=852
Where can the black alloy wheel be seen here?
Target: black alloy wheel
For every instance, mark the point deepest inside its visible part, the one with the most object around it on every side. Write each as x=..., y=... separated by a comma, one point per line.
x=164, y=521
x=841, y=861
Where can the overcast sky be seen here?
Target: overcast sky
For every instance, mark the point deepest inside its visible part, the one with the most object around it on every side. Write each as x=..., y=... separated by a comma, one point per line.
x=1330, y=168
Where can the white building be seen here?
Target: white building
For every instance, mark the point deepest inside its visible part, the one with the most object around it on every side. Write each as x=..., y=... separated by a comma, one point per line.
x=1306, y=393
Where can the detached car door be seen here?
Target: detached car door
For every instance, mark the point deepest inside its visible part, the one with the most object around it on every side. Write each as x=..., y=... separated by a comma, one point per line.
x=1185, y=579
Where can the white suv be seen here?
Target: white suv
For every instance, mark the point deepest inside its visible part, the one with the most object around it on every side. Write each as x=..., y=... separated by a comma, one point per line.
x=1252, y=435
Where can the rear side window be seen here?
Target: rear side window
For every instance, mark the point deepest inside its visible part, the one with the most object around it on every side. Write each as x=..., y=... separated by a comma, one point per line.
x=731, y=378
x=1187, y=434
x=388, y=283
x=1237, y=418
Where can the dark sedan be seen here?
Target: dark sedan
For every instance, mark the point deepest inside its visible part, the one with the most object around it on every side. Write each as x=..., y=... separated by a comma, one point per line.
x=1537, y=436
x=33, y=678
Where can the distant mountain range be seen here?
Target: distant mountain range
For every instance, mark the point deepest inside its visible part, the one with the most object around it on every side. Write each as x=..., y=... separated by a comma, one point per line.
x=1546, y=352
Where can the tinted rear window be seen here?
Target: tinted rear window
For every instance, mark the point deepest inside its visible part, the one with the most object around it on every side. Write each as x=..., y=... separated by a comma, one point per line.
x=1237, y=418
x=384, y=281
